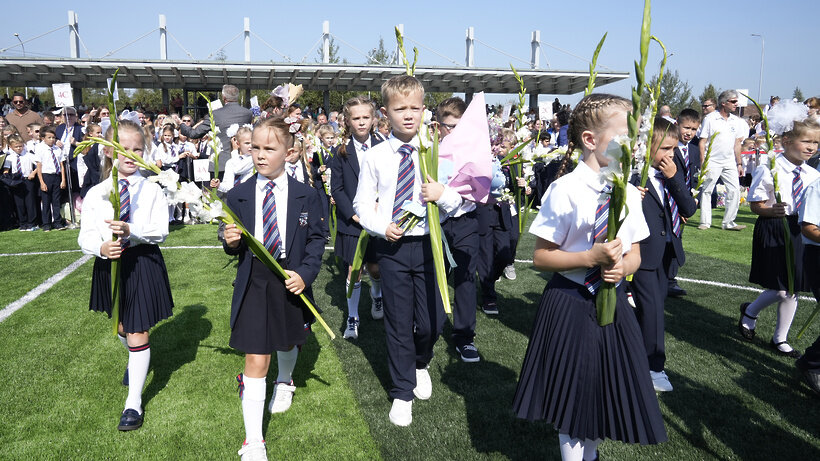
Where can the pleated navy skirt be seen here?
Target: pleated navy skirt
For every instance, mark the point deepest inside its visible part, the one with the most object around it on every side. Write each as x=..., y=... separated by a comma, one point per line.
x=590, y=382
x=145, y=291
x=769, y=254
x=271, y=318
x=345, y=248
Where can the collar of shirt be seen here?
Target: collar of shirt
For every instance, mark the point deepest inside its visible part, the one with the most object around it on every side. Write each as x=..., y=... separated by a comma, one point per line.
x=279, y=182
x=395, y=143
x=683, y=146
x=655, y=176
x=786, y=165
x=358, y=145
x=133, y=179
x=590, y=178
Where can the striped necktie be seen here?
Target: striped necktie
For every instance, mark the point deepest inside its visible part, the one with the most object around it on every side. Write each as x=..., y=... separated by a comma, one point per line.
x=125, y=207
x=592, y=279
x=364, y=147
x=797, y=190
x=673, y=208
x=292, y=171
x=57, y=168
x=686, y=173
x=270, y=224
x=405, y=180
x=19, y=166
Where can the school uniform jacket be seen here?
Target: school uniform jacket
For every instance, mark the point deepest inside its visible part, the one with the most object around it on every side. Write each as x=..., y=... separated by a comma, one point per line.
x=304, y=242
x=694, y=163
x=344, y=190
x=658, y=218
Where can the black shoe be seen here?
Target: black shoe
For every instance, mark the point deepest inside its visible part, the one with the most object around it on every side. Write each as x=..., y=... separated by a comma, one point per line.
x=746, y=333
x=675, y=291
x=794, y=353
x=125, y=377
x=812, y=378
x=468, y=353
x=490, y=308
x=130, y=420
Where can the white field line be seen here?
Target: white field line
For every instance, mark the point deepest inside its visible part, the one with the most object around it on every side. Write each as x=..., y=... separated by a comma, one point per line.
x=184, y=247
x=705, y=282
x=42, y=288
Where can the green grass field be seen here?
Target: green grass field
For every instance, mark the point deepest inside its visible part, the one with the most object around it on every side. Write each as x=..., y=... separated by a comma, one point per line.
x=60, y=392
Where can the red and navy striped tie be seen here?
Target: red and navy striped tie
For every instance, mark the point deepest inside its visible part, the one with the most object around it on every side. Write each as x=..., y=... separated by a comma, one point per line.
x=686, y=173
x=270, y=224
x=797, y=189
x=673, y=209
x=592, y=280
x=405, y=181
x=56, y=163
x=125, y=208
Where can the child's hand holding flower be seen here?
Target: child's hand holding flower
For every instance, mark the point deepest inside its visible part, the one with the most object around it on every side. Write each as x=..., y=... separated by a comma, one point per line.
x=294, y=284
x=111, y=249
x=232, y=235
x=431, y=190
x=120, y=228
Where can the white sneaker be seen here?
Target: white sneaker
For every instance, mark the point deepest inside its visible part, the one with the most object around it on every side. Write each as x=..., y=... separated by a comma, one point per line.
x=254, y=451
x=401, y=413
x=282, y=397
x=660, y=381
x=377, y=309
x=352, y=330
x=509, y=272
x=424, y=387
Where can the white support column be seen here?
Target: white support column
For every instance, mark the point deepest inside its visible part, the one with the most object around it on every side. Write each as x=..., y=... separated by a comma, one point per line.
x=536, y=48
x=326, y=42
x=73, y=38
x=470, y=47
x=163, y=37
x=397, y=55
x=247, y=39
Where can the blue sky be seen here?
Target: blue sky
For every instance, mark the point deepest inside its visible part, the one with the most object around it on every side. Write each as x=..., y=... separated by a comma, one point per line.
x=709, y=41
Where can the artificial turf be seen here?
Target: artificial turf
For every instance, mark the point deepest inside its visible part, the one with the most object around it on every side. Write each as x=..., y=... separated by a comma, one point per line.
x=60, y=396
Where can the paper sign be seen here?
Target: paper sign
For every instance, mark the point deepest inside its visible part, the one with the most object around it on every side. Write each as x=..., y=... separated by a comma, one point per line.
x=63, y=96
x=505, y=114
x=545, y=110
x=254, y=101
x=215, y=104
x=116, y=89
x=201, y=170
x=742, y=101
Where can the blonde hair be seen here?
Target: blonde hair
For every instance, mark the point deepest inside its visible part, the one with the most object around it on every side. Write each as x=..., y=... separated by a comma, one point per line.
x=592, y=113
x=400, y=84
x=801, y=128
x=324, y=130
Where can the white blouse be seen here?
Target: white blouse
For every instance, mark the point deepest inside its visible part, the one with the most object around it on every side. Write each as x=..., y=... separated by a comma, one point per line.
x=762, y=188
x=149, y=214
x=567, y=215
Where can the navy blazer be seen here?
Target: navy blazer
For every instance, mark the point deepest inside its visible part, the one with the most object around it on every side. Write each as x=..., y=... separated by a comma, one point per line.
x=694, y=163
x=659, y=221
x=344, y=179
x=304, y=242
x=77, y=134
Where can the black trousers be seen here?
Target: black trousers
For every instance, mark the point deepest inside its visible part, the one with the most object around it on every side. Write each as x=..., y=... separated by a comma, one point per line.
x=649, y=289
x=51, y=199
x=462, y=238
x=495, y=250
x=413, y=311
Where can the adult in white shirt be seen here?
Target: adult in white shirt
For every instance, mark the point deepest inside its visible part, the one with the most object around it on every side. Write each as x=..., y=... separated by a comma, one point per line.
x=725, y=161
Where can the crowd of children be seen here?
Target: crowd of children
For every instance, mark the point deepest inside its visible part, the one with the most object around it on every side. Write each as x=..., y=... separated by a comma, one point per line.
x=290, y=178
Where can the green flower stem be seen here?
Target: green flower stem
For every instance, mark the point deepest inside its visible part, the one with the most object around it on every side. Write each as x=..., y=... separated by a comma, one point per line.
x=704, y=168
x=809, y=320
x=655, y=100
x=592, y=73
x=215, y=140
x=114, y=198
x=358, y=258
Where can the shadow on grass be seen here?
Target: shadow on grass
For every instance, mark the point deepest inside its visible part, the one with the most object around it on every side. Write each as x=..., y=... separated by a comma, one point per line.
x=487, y=389
x=705, y=410
x=174, y=343
x=517, y=309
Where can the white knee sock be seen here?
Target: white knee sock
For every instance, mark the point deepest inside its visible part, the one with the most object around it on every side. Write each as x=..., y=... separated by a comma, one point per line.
x=139, y=358
x=590, y=449
x=287, y=362
x=375, y=287
x=353, y=301
x=253, y=408
x=571, y=449
x=785, y=314
x=765, y=299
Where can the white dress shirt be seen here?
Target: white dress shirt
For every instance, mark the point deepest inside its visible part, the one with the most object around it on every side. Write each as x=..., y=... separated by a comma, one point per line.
x=567, y=215
x=149, y=214
x=280, y=194
x=762, y=187
x=296, y=170
x=43, y=155
x=376, y=191
x=361, y=153
x=810, y=213
x=240, y=166
x=731, y=129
